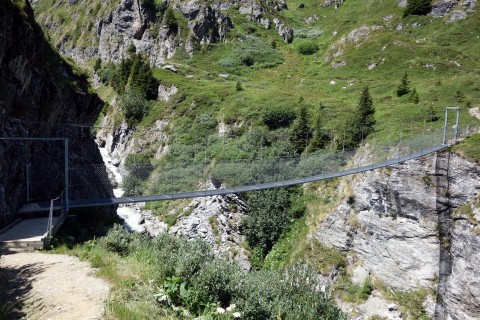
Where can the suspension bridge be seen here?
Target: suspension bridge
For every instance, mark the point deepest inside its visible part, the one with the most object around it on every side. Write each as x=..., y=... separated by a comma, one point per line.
x=181, y=181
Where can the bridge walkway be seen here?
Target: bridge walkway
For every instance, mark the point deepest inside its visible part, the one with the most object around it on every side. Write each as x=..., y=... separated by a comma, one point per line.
x=26, y=234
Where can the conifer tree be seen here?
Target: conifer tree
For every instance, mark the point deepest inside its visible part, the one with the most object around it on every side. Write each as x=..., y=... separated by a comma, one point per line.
x=414, y=96
x=366, y=112
x=404, y=86
x=300, y=132
x=320, y=138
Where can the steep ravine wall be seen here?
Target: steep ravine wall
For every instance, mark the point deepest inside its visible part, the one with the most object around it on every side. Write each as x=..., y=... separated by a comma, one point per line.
x=41, y=95
x=390, y=231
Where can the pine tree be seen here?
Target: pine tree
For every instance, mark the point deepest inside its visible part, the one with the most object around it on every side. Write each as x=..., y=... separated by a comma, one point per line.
x=320, y=138
x=414, y=96
x=363, y=121
x=300, y=132
x=366, y=113
x=404, y=86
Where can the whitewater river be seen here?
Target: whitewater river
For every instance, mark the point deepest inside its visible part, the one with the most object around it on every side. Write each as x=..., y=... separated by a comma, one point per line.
x=131, y=216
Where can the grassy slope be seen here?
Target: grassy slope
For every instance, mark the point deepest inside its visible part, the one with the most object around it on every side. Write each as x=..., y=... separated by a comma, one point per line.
x=309, y=77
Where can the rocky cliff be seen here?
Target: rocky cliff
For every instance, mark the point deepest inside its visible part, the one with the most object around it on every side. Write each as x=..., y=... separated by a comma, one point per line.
x=389, y=226
x=106, y=30
x=41, y=95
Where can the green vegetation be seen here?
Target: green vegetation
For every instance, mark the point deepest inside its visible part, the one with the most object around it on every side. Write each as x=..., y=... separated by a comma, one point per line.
x=172, y=277
x=307, y=48
x=417, y=7
x=5, y=308
x=270, y=216
x=404, y=87
x=409, y=301
x=169, y=18
x=351, y=292
x=469, y=148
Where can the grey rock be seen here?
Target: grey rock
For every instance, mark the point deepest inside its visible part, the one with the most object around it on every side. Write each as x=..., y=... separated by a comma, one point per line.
x=392, y=307
x=170, y=67
x=165, y=92
x=442, y=7
x=335, y=3
x=463, y=288
x=456, y=15
x=391, y=226
x=216, y=213
x=339, y=64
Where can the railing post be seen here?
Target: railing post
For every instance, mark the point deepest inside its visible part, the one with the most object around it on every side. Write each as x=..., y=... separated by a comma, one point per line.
x=67, y=197
x=28, y=180
x=445, y=128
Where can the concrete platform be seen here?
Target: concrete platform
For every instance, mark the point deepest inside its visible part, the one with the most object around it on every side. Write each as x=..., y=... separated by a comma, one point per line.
x=27, y=234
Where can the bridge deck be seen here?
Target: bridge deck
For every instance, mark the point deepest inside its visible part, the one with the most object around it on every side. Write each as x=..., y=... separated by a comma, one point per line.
x=27, y=234
x=45, y=206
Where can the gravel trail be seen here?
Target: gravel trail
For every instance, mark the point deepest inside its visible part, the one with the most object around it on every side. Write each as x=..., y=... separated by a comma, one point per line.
x=51, y=286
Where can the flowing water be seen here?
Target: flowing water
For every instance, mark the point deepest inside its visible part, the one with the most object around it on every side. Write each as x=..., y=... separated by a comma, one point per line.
x=130, y=215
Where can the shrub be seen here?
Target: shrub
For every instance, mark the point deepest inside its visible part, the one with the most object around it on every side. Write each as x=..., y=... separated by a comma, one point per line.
x=134, y=106
x=414, y=96
x=268, y=218
x=98, y=64
x=307, y=48
x=417, y=7
x=118, y=240
x=278, y=117
x=169, y=18
x=248, y=60
x=238, y=86
x=218, y=282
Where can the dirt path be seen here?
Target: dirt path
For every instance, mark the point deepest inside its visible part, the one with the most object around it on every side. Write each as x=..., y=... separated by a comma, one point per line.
x=53, y=287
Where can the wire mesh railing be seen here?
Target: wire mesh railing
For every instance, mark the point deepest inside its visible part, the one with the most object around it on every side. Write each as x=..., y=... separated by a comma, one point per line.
x=175, y=178
x=211, y=173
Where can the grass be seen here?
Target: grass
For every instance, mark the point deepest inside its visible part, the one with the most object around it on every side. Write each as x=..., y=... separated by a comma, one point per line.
x=409, y=301
x=469, y=148
x=350, y=292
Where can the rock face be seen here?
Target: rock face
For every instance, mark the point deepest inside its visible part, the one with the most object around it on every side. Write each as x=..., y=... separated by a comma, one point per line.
x=441, y=8
x=217, y=220
x=112, y=32
x=389, y=221
x=40, y=96
x=463, y=295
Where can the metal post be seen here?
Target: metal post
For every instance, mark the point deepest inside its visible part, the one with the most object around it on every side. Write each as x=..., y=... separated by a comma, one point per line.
x=28, y=180
x=456, y=125
x=445, y=128
x=67, y=196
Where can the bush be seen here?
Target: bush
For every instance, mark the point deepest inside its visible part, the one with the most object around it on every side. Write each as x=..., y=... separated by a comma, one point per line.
x=218, y=282
x=118, y=240
x=268, y=218
x=307, y=48
x=134, y=106
x=417, y=7
x=169, y=18
x=248, y=60
x=278, y=117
